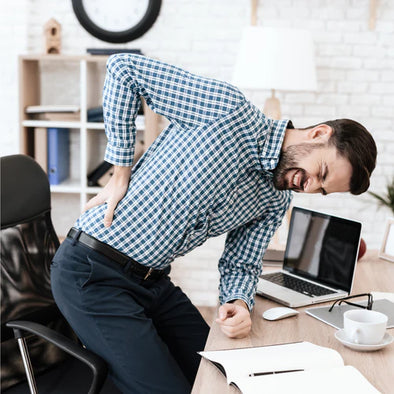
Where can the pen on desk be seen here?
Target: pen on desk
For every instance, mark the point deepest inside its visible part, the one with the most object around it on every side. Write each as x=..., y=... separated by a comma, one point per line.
x=273, y=372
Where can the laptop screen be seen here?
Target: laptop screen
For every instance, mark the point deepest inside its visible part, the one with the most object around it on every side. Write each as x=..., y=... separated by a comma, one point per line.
x=322, y=248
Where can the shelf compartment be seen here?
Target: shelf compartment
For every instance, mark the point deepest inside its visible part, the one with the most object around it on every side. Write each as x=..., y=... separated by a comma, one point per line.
x=72, y=80
x=70, y=185
x=95, y=125
x=93, y=190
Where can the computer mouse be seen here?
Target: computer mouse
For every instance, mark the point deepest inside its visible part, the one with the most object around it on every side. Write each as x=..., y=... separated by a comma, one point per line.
x=279, y=313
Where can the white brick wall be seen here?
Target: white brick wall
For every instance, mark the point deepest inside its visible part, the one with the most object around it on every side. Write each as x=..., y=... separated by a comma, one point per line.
x=355, y=69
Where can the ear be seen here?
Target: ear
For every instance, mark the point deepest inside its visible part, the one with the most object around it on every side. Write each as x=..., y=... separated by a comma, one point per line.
x=320, y=133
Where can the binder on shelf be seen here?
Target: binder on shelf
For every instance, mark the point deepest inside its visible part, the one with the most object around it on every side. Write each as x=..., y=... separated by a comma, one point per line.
x=104, y=179
x=98, y=173
x=40, y=147
x=58, y=154
x=95, y=114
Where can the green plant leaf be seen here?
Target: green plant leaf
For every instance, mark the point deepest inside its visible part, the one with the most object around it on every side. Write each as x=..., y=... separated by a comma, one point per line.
x=386, y=199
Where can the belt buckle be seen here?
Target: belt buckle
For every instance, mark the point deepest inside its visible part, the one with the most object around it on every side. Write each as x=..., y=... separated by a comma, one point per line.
x=148, y=273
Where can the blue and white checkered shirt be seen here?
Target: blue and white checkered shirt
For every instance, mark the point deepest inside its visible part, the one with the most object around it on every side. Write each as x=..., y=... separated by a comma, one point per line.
x=208, y=173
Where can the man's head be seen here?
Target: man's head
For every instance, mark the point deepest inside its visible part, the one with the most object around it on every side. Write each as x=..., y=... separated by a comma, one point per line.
x=334, y=156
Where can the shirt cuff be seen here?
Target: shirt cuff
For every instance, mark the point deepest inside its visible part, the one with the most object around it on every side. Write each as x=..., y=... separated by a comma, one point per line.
x=248, y=301
x=118, y=156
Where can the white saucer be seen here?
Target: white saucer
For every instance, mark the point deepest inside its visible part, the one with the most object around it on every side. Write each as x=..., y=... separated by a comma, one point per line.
x=341, y=336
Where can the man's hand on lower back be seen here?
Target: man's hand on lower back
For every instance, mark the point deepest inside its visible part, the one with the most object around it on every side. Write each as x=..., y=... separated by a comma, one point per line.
x=234, y=319
x=112, y=193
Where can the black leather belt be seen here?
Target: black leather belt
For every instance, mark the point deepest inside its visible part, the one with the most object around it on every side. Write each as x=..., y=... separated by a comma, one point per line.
x=115, y=255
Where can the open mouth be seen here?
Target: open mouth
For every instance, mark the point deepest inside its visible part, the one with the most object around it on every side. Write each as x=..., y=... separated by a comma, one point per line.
x=298, y=181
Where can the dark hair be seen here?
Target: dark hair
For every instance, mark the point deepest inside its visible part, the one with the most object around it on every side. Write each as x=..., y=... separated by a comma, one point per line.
x=354, y=142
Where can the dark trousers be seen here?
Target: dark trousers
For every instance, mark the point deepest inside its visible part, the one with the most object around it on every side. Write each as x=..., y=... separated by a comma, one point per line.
x=148, y=331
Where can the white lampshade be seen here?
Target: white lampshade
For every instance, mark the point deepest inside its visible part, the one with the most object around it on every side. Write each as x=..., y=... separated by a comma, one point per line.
x=275, y=58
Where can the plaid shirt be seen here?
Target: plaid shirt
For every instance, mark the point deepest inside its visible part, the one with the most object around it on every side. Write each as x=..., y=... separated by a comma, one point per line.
x=208, y=173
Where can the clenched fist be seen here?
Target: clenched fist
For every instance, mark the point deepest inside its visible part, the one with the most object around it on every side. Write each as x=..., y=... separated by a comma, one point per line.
x=234, y=319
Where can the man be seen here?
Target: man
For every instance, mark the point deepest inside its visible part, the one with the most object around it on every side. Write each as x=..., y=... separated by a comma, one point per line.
x=219, y=167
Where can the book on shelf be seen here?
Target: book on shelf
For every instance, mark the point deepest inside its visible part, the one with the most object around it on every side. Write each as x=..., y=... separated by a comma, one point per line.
x=58, y=142
x=61, y=116
x=40, y=147
x=38, y=109
x=65, y=113
x=301, y=367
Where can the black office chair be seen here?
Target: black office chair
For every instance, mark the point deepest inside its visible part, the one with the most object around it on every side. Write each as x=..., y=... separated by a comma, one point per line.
x=28, y=243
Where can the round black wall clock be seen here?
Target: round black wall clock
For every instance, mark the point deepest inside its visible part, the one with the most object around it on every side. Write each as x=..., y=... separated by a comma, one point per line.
x=116, y=21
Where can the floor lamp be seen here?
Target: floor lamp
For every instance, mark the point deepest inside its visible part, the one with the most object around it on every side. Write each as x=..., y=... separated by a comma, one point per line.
x=275, y=59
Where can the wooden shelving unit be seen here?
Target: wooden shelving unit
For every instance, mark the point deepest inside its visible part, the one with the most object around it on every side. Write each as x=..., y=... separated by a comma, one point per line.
x=85, y=90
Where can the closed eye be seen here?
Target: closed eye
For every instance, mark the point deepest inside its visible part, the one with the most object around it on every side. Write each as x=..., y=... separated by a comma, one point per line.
x=325, y=173
x=323, y=177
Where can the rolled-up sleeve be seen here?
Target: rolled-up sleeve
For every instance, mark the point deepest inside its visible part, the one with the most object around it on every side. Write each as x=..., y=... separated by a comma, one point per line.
x=241, y=263
x=182, y=97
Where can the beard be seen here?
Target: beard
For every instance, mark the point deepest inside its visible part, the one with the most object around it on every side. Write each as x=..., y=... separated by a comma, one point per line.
x=289, y=161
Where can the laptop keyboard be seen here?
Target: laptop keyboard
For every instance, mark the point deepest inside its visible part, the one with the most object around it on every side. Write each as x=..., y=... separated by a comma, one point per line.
x=297, y=284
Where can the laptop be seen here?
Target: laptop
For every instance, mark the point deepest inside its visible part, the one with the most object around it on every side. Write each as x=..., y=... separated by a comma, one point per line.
x=319, y=261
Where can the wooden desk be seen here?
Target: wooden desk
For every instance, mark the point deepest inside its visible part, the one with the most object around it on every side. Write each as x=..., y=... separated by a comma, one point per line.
x=372, y=274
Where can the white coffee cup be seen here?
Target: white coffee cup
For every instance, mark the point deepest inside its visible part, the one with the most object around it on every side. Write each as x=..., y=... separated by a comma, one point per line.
x=365, y=327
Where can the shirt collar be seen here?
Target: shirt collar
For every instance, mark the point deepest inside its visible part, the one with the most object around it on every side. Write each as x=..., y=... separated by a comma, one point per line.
x=271, y=143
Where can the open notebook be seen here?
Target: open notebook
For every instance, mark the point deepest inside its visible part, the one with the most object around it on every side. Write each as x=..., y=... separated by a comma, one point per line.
x=300, y=367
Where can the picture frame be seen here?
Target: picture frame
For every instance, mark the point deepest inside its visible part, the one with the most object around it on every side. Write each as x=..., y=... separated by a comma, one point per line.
x=387, y=249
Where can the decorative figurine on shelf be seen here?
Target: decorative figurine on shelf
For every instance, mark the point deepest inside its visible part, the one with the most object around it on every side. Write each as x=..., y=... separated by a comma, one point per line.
x=52, y=32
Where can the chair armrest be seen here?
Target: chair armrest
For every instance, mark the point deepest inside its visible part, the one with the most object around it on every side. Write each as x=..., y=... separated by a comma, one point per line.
x=43, y=315
x=95, y=362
